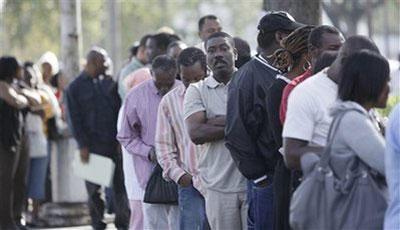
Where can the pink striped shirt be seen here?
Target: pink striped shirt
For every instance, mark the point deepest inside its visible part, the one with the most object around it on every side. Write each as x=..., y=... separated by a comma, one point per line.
x=139, y=126
x=176, y=153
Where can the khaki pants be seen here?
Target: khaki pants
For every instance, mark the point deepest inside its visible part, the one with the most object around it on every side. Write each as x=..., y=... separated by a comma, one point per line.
x=226, y=210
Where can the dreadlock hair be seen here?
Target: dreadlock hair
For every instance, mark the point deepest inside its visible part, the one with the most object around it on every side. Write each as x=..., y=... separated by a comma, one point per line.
x=293, y=47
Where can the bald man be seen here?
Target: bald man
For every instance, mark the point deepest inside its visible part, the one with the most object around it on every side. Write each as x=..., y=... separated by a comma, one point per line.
x=93, y=105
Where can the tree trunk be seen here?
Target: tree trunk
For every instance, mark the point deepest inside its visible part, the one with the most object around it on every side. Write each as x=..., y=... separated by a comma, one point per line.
x=71, y=38
x=304, y=11
x=352, y=26
x=68, y=207
x=114, y=34
x=369, y=18
x=66, y=186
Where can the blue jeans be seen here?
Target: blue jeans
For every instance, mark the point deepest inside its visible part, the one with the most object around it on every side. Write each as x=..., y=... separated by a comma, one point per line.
x=192, y=209
x=37, y=177
x=261, y=206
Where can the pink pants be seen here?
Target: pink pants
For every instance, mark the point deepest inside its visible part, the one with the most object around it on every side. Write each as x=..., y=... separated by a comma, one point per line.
x=136, y=220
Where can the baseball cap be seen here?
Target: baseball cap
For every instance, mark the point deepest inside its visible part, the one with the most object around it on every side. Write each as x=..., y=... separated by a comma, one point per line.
x=278, y=20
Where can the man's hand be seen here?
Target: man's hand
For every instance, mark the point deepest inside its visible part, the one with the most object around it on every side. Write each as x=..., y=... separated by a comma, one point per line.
x=185, y=180
x=152, y=155
x=84, y=155
x=217, y=121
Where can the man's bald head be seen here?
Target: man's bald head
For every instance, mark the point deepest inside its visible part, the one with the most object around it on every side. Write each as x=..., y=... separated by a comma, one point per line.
x=357, y=43
x=350, y=46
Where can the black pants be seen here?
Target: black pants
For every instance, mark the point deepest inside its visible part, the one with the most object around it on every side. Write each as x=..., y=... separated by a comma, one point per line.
x=96, y=204
x=13, y=168
x=285, y=182
x=282, y=191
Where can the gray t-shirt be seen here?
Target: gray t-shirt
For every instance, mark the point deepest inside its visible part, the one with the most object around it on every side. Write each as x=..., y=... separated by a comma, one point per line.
x=217, y=169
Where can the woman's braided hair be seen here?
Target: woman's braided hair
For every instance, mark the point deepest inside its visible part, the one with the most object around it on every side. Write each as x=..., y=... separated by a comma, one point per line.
x=293, y=47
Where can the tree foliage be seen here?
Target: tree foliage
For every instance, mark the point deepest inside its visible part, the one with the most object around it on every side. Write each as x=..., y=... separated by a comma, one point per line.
x=33, y=26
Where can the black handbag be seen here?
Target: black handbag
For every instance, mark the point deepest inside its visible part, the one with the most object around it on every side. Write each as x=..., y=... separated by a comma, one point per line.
x=52, y=130
x=160, y=191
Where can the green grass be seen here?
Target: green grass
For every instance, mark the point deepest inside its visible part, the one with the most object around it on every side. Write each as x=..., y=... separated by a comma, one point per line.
x=392, y=102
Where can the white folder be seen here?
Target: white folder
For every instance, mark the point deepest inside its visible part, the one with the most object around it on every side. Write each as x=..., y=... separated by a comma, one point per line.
x=99, y=170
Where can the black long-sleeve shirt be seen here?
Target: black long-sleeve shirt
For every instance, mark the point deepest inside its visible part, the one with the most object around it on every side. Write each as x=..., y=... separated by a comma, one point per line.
x=274, y=99
x=93, y=106
x=247, y=137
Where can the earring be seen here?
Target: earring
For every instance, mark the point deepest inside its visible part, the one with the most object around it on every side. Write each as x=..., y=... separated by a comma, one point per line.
x=306, y=66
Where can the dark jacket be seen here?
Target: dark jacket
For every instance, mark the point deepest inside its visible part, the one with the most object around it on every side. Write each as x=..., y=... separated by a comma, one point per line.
x=93, y=106
x=10, y=127
x=247, y=137
x=274, y=99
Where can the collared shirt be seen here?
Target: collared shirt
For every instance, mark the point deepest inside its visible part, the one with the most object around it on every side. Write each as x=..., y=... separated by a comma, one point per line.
x=176, y=153
x=392, y=162
x=246, y=134
x=287, y=90
x=93, y=105
x=217, y=169
x=139, y=126
x=133, y=65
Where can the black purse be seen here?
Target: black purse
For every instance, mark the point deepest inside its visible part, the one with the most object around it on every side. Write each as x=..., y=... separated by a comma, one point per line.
x=160, y=191
x=52, y=131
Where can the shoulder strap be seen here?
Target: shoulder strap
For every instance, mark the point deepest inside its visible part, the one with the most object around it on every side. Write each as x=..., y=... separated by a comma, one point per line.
x=331, y=135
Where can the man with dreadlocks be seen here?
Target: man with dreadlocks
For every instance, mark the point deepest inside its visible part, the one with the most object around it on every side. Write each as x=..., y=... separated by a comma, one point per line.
x=292, y=60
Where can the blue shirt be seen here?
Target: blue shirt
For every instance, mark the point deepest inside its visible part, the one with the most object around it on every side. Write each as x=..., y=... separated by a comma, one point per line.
x=93, y=105
x=392, y=218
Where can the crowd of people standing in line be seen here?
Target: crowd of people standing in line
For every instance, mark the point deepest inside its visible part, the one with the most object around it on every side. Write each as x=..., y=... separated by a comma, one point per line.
x=208, y=137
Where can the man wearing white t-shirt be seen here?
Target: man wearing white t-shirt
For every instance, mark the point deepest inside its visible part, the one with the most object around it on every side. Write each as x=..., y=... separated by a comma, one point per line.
x=308, y=119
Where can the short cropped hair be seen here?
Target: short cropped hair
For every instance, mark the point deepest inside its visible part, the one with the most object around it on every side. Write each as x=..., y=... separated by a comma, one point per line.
x=163, y=39
x=315, y=38
x=364, y=76
x=175, y=43
x=220, y=35
x=203, y=19
x=143, y=40
x=191, y=56
x=8, y=68
x=163, y=62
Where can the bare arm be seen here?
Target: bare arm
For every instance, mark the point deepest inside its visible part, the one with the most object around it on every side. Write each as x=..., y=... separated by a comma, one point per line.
x=32, y=96
x=11, y=97
x=294, y=149
x=202, y=130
